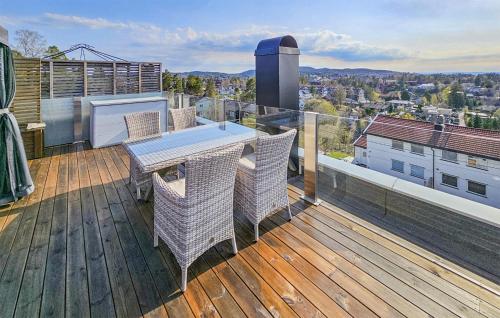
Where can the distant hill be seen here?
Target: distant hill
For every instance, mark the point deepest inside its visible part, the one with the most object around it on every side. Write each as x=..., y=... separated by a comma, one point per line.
x=303, y=70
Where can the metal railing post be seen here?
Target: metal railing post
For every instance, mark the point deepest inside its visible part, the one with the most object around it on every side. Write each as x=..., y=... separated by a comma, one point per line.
x=311, y=158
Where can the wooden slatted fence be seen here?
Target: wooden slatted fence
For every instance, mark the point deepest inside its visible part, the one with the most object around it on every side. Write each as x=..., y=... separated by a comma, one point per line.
x=94, y=78
x=26, y=103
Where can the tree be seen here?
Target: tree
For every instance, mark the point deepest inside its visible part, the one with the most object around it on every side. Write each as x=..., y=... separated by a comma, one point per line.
x=30, y=43
x=167, y=80
x=456, y=97
x=495, y=124
x=477, y=81
x=407, y=116
x=210, y=90
x=339, y=95
x=52, y=50
x=319, y=105
x=476, y=121
x=178, y=84
x=405, y=95
x=248, y=94
x=194, y=85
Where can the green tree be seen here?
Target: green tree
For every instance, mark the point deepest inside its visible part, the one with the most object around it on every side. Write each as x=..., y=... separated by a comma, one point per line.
x=456, y=97
x=210, y=90
x=476, y=121
x=477, y=80
x=194, y=85
x=52, y=50
x=405, y=95
x=319, y=105
x=167, y=80
x=339, y=95
x=495, y=124
x=486, y=123
x=248, y=94
x=178, y=85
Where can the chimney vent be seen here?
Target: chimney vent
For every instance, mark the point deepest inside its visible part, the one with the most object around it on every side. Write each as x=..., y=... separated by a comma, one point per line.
x=277, y=72
x=439, y=125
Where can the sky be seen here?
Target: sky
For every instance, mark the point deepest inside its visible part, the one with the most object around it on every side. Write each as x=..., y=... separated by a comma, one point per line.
x=401, y=35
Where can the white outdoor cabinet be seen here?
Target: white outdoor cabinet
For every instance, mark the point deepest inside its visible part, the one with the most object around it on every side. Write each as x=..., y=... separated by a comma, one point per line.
x=107, y=123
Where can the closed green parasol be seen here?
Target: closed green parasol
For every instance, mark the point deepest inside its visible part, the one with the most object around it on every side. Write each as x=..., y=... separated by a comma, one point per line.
x=15, y=178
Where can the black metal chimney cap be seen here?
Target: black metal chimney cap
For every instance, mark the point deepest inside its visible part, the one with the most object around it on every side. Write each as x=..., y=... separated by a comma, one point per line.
x=283, y=44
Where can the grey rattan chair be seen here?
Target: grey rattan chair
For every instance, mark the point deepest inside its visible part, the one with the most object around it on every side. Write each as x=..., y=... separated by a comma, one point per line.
x=261, y=180
x=194, y=213
x=139, y=126
x=183, y=118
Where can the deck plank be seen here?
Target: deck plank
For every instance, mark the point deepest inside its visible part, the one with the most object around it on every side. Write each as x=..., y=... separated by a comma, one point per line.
x=30, y=294
x=77, y=290
x=124, y=295
x=100, y=295
x=12, y=217
x=54, y=286
x=13, y=270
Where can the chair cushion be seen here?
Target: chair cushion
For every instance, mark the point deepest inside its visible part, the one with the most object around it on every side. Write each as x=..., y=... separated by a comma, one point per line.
x=178, y=186
x=247, y=162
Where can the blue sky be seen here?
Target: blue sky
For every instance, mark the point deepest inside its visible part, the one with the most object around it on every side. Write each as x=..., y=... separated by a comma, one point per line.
x=403, y=35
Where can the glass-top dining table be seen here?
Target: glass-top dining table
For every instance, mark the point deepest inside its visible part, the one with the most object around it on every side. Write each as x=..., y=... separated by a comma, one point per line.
x=172, y=148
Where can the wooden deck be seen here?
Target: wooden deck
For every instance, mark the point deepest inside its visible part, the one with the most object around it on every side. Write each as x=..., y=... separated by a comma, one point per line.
x=81, y=245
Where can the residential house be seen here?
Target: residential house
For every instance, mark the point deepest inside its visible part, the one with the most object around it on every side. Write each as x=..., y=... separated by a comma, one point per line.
x=458, y=160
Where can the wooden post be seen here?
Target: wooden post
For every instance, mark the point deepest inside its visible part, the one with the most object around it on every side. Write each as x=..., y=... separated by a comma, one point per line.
x=85, y=80
x=140, y=77
x=51, y=79
x=114, y=78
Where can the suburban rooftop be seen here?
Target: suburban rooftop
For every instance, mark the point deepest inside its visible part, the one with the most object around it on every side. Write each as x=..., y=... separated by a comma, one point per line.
x=452, y=137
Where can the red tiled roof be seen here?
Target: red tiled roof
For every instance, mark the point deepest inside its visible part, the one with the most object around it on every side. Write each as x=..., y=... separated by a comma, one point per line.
x=472, y=141
x=361, y=141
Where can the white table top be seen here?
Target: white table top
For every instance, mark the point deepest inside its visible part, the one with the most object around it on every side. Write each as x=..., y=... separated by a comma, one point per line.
x=172, y=148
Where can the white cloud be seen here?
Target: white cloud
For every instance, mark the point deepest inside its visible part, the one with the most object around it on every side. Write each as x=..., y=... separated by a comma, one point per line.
x=323, y=42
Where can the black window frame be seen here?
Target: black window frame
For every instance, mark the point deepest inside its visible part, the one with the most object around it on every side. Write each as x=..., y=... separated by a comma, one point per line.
x=392, y=165
x=443, y=175
x=479, y=184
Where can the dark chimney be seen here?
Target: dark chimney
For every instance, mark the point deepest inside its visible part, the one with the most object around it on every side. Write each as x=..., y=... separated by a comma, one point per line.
x=277, y=72
x=439, y=125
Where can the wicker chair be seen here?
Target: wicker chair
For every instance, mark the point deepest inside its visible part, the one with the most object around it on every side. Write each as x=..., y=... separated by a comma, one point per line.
x=261, y=180
x=183, y=117
x=139, y=126
x=194, y=213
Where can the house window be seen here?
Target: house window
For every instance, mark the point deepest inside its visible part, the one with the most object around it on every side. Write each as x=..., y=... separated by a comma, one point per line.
x=477, y=163
x=449, y=180
x=476, y=187
x=417, y=171
x=398, y=145
x=449, y=156
x=364, y=154
x=398, y=166
x=418, y=149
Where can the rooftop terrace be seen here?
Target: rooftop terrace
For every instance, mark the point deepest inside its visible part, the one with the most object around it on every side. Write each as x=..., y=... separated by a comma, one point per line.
x=81, y=244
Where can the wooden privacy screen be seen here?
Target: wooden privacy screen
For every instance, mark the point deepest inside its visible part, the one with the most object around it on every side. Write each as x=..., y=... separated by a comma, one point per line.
x=26, y=103
x=93, y=78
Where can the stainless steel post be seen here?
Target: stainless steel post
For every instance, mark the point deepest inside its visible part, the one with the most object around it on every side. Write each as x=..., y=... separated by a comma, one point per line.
x=311, y=158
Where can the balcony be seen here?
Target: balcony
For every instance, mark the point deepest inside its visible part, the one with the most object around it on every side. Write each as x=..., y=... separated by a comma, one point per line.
x=82, y=244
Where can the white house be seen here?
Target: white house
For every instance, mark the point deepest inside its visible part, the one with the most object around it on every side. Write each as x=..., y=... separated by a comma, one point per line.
x=458, y=160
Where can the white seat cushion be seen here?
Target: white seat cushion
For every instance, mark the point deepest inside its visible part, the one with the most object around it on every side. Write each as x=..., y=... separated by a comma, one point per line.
x=248, y=161
x=178, y=186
